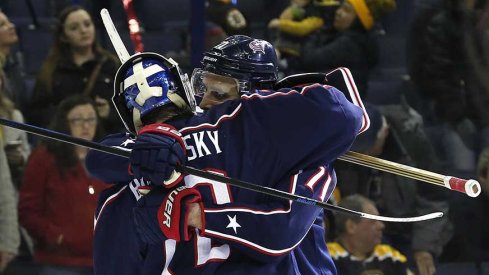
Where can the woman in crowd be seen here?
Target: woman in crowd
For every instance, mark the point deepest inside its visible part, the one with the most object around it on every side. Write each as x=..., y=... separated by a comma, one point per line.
x=76, y=64
x=11, y=64
x=58, y=198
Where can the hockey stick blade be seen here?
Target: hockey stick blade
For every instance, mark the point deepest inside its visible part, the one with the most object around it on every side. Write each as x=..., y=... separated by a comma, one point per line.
x=207, y=175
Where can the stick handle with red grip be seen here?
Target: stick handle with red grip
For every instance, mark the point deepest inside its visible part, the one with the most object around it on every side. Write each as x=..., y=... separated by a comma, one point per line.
x=470, y=187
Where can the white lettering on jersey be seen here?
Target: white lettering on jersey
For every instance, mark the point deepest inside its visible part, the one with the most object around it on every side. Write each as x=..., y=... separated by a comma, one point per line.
x=192, y=155
x=202, y=144
x=170, y=246
x=199, y=143
x=219, y=190
x=206, y=252
x=215, y=140
x=134, y=184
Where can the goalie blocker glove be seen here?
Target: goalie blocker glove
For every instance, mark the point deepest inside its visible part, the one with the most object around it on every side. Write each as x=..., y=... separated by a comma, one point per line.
x=159, y=148
x=163, y=214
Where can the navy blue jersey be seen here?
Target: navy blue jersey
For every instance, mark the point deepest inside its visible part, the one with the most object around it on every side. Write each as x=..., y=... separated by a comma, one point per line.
x=285, y=140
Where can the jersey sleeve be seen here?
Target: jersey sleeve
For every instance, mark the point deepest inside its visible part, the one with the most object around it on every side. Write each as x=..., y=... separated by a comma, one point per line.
x=270, y=227
x=289, y=130
x=110, y=168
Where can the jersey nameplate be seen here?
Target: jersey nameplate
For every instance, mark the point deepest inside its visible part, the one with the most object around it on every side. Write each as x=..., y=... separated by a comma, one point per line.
x=202, y=144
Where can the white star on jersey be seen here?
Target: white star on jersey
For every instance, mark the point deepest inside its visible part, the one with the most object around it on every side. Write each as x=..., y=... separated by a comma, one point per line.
x=127, y=142
x=233, y=224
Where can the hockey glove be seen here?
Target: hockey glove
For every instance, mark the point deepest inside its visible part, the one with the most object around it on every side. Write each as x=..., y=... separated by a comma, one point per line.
x=159, y=148
x=163, y=214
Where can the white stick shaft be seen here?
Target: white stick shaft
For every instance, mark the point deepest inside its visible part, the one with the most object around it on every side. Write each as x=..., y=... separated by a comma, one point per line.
x=430, y=216
x=114, y=36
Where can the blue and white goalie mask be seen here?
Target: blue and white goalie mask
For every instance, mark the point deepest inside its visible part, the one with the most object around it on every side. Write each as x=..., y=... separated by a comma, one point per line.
x=148, y=81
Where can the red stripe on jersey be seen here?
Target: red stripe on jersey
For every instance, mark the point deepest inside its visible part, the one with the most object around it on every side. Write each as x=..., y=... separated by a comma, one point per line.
x=314, y=179
x=293, y=183
x=109, y=200
x=326, y=186
x=215, y=125
x=366, y=121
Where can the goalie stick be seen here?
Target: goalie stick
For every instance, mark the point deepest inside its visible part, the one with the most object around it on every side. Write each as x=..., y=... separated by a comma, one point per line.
x=342, y=79
x=207, y=175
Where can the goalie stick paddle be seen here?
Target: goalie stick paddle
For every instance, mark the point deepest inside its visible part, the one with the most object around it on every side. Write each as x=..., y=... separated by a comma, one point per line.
x=207, y=175
x=116, y=40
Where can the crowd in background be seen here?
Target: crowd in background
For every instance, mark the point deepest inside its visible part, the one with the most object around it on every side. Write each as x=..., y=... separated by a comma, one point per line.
x=436, y=118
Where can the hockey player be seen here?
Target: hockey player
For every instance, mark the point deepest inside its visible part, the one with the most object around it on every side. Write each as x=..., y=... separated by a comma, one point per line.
x=239, y=230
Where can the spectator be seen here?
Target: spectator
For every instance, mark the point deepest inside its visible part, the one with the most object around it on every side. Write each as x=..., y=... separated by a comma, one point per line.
x=17, y=147
x=358, y=248
x=480, y=222
x=349, y=45
x=471, y=237
x=444, y=43
x=10, y=63
x=58, y=198
x=9, y=228
x=398, y=137
x=295, y=22
x=226, y=14
x=76, y=64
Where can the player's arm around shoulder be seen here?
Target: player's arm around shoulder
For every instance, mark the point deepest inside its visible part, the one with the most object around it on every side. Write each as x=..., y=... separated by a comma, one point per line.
x=107, y=167
x=334, y=102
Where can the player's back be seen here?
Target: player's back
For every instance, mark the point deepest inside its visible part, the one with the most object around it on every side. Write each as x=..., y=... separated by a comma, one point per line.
x=263, y=140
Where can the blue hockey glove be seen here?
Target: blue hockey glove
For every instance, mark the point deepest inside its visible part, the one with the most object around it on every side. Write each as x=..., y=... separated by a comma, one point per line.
x=159, y=148
x=163, y=214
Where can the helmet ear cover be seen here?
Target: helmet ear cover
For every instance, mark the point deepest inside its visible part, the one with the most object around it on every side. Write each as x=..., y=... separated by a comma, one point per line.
x=135, y=99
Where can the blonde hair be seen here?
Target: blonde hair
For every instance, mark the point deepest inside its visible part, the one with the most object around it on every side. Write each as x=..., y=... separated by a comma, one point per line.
x=6, y=105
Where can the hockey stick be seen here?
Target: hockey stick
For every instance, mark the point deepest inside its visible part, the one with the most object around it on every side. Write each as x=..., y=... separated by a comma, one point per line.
x=342, y=79
x=470, y=187
x=116, y=40
x=211, y=176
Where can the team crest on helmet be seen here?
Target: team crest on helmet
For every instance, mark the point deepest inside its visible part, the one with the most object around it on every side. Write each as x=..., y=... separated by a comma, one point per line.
x=257, y=46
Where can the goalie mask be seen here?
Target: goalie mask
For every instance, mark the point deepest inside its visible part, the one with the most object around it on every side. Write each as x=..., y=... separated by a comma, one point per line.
x=146, y=82
x=252, y=63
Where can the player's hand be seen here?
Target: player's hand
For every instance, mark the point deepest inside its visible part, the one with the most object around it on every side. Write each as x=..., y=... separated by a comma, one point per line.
x=168, y=214
x=425, y=263
x=159, y=148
